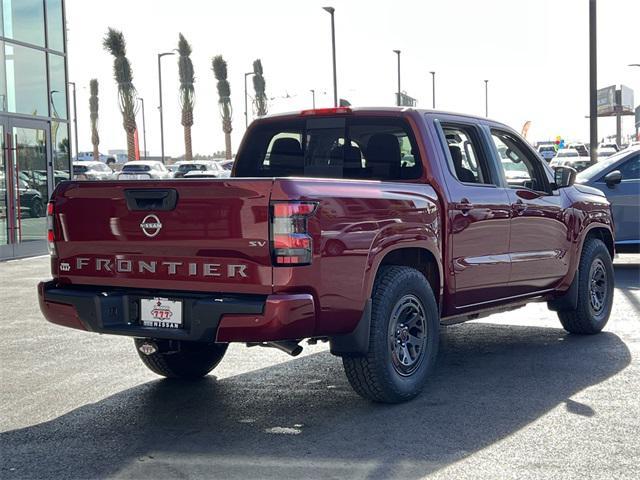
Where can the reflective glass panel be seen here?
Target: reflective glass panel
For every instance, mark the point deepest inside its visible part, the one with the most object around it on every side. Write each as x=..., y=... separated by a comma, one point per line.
x=57, y=82
x=26, y=74
x=60, y=136
x=55, y=25
x=31, y=173
x=23, y=20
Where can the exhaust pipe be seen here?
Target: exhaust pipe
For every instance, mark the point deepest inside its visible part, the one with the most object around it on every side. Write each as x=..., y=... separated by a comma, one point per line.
x=287, y=346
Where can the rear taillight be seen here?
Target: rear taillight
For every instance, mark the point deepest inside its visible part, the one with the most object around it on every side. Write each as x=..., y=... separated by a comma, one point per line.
x=291, y=243
x=51, y=235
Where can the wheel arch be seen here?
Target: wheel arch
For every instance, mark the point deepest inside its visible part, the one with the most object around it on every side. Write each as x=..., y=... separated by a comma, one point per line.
x=421, y=257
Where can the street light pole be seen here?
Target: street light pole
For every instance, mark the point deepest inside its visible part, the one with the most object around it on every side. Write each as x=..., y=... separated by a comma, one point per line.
x=75, y=120
x=398, y=99
x=331, y=11
x=246, y=114
x=433, y=89
x=160, y=55
x=593, y=84
x=486, y=98
x=144, y=128
x=313, y=97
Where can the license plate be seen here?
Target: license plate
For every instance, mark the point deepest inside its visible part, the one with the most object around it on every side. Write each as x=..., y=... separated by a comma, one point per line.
x=161, y=312
x=132, y=176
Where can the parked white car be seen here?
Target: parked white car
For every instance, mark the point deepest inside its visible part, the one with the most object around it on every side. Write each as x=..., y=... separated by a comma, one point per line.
x=144, y=170
x=92, y=171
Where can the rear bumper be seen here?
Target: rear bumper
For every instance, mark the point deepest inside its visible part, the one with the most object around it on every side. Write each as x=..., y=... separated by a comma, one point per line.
x=207, y=317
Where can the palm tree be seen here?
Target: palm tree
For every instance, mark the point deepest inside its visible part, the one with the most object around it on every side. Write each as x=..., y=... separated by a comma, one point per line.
x=93, y=115
x=260, y=102
x=114, y=43
x=187, y=92
x=224, y=94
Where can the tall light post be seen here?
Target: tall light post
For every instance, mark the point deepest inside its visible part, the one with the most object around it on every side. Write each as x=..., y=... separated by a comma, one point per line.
x=397, y=52
x=313, y=97
x=160, y=55
x=593, y=84
x=75, y=119
x=433, y=89
x=246, y=113
x=331, y=11
x=144, y=128
x=486, y=98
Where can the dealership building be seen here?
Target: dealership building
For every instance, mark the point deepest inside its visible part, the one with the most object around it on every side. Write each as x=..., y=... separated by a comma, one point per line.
x=34, y=120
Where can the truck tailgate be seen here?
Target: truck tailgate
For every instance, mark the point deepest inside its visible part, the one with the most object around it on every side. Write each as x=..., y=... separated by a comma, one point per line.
x=197, y=235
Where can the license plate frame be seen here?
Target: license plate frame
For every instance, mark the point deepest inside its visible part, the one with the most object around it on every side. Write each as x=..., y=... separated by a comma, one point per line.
x=161, y=312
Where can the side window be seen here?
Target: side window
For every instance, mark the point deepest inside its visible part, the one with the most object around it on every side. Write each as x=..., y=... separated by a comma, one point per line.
x=521, y=168
x=631, y=169
x=467, y=161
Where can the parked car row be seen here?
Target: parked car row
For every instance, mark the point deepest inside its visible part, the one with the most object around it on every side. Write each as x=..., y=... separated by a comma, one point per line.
x=151, y=170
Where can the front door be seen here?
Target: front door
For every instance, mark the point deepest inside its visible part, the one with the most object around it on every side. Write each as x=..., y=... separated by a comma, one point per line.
x=539, y=240
x=25, y=178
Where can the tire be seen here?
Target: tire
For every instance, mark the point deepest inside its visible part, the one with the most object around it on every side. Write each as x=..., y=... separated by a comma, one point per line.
x=382, y=375
x=37, y=208
x=193, y=359
x=595, y=291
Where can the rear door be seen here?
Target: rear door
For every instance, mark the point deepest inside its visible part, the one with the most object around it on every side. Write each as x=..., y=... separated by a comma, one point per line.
x=198, y=235
x=478, y=217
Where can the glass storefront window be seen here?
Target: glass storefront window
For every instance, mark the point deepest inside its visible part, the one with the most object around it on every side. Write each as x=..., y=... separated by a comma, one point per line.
x=26, y=76
x=60, y=137
x=57, y=83
x=23, y=20
x=54, y=25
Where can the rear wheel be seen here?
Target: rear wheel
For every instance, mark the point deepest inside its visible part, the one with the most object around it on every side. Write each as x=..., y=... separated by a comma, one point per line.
x=595, y=291
x=403, y=342
x=190, y=360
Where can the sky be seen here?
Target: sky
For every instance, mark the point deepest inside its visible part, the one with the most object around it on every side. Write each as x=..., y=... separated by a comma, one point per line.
x=534, y=54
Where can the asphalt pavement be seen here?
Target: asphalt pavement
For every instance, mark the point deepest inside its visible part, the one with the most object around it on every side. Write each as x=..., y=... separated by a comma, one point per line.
x=513, y=396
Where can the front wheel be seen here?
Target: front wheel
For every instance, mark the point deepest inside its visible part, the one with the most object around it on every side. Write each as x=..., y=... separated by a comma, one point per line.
x=595, y=291
x=190, y=360
x=403, y=342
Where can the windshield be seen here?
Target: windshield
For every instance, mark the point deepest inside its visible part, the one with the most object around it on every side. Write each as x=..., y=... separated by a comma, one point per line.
x=331, y=147
x=602, y=165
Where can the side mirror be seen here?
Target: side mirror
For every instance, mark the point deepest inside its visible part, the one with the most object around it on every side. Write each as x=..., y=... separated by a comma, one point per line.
x=613, y=178
x=564, y=176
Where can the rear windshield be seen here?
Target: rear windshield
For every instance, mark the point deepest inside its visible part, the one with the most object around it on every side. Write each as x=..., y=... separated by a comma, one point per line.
x=187, y=167
x=332, y=147
x=136, y=168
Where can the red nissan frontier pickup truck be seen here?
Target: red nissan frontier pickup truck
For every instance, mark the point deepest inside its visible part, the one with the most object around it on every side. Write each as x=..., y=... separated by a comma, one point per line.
x=366, y=227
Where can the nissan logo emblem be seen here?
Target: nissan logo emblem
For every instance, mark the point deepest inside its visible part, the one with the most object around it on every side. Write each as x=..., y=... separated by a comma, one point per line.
x=151, y=225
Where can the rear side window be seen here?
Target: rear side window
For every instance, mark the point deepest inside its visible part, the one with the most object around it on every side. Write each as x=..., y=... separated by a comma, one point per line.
x=332, y=147
x=466, y=159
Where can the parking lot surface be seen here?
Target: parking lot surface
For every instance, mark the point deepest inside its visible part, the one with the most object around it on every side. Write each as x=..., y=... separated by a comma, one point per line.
x=513, y=396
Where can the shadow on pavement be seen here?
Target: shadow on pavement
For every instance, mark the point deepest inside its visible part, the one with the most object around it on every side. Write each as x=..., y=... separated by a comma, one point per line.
x=301, y=419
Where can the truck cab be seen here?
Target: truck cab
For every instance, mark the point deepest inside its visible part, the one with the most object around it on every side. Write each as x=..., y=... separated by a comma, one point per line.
x=368, y=228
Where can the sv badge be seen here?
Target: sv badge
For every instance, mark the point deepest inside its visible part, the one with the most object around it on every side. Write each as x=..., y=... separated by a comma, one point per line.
x=257, y=243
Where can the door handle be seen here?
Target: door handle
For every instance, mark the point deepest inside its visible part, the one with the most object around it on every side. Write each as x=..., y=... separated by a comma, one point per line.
x=464, y=206
x=519, y=206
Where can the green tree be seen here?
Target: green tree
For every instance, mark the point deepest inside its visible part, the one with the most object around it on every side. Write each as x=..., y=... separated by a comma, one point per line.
x=93, y=116
x=219, y=67
x=114, y=43
x=260, y=101
x=187, y=92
